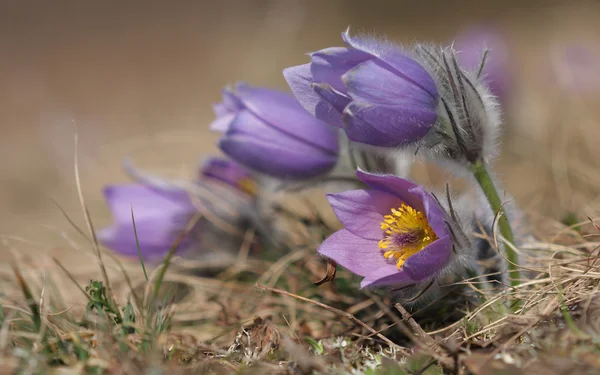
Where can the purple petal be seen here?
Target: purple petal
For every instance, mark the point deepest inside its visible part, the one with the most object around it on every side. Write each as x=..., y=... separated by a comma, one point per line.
x=362, y=211
x=361, y=131
x=155, y=238
x=222, y=123
x=332, y=104
x=357, y=254
x=285, y=159
x=372, y=82
x=393, y=185
x=330, y=64
x=284, y=113
x=146, y=202
x=434, y=213
x=429, y=261
x=400, y=124
x=300, y=81
x=396, y=59
x=387, y=275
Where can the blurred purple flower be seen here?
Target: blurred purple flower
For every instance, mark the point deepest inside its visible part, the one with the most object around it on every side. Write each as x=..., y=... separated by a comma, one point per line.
x=269, y=132
x=372, y=89
x=396, y=233
x=578, y=69
x=471, y=46
x=228, y=172
x=160, y=217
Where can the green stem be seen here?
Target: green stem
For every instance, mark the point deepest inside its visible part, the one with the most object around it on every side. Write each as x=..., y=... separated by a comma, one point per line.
x=491, y=193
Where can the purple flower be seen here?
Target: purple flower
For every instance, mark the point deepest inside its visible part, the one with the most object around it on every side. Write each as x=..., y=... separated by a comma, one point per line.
x=160, y=217
x=268, y=131
x=471, y=46
x=395, y=233
x=578, y=68
x=375, y=91
x=228, y=172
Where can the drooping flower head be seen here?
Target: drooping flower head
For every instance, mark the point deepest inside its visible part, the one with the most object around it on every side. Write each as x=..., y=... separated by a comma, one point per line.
x=162, y=209
x=475, y=44
x=377, y=92
x=389, y=97
x=160, y=218
x=395, y=233
x=268, y=131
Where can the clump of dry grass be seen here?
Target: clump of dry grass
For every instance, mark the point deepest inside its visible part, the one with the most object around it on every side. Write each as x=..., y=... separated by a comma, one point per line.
x=265, y=315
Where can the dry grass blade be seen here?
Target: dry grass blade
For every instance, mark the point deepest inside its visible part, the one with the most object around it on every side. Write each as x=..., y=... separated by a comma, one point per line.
x=30, y=300
x=346, y=315
x=88, y=219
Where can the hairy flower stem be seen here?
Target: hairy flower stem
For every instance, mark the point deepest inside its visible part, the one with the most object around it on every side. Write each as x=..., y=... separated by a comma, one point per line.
x=484, y=179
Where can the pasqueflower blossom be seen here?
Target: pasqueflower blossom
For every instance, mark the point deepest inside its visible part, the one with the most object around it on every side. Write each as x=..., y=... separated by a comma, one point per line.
x=375, y=91
x=395, y=233
x=160, y=217
x=268, y=131
x=163, y=209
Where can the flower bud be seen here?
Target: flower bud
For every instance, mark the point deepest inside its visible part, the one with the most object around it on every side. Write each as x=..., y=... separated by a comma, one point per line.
x=268, y=131
x=374, y=90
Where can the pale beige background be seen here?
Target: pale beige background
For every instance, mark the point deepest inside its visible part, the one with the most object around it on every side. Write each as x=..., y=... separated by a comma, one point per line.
x=138, y=79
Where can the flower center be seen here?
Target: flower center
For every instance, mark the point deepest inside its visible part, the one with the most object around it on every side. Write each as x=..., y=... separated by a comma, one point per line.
x=405, y=232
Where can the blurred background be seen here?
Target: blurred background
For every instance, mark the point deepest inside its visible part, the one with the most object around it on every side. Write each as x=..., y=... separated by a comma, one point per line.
x=137, y=79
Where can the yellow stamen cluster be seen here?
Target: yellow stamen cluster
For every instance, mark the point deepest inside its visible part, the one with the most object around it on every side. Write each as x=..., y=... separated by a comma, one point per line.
x=406, y=232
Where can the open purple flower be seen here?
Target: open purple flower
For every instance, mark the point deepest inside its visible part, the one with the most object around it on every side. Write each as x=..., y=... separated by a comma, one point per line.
x=160, y=217
x=269, y=132
x=472, y=45
x=374, y=90
x=395, y=233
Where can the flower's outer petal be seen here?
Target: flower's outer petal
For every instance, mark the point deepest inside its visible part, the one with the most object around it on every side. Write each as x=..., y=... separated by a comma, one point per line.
x=394, y=185
x=155, y=237
x=434, y=213
x=332, y=104
x=288, y=160
x=362, y=211
x=357, y=254
x=429, y=261
x=371, y=82
x=387, y=275
x=300, y=81
x=396, y=59
x=222, y=123
x=363, y=132
x=330, y=64
x=400, y=125
x=284, y=113
x=146, y=202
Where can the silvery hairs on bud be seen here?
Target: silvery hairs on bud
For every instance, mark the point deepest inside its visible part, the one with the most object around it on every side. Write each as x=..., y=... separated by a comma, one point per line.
x=468, y=121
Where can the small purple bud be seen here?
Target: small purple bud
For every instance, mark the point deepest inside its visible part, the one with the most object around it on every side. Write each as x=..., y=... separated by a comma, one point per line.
x=268, y=131
x=375, y=91
x=228, y=172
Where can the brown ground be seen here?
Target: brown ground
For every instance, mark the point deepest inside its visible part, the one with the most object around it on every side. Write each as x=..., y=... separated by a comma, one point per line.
x=138, y=79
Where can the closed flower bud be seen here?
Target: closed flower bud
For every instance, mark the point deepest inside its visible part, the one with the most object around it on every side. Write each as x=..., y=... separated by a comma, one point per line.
x=395, y=234
x=269, y=132
x=377, y=92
